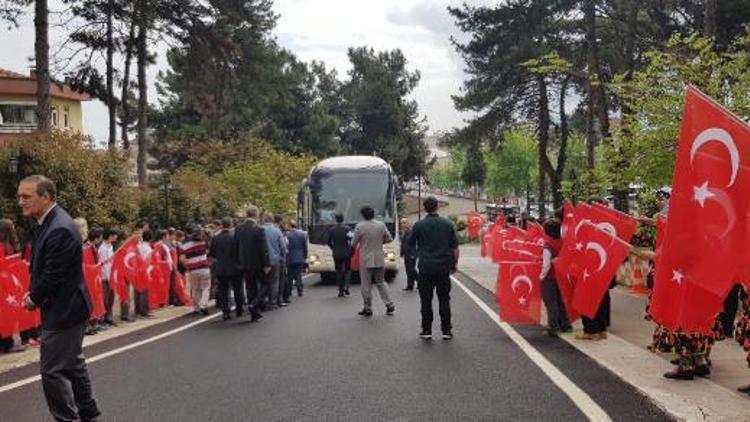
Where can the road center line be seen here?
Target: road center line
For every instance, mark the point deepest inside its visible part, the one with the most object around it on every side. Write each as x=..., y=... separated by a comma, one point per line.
x=579, y=397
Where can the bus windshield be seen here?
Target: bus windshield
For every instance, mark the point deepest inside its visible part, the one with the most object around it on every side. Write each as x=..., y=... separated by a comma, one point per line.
x=346, y=192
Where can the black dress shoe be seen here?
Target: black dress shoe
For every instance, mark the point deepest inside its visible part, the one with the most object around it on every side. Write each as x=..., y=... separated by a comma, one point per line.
x=745, y=389
x=346, y=292
x=226, y=317
x=255, y=316
x=702, y=371
x=390, y=309
x=408, y=289
x=680, y=374
x=341, y=294
x=365, y=312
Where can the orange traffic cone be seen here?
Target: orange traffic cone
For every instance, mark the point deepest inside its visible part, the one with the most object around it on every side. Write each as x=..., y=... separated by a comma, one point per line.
x=638, y=286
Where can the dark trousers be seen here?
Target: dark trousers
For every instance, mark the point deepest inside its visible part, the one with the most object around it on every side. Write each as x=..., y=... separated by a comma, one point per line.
x=173, y=298
x=285, y=286
x=140, y=301
x=65, y=377
x=109, y=299
x=731, y=304
x=557, y=315
x=343, y=270
x=235, y=283
x=31, y=333
x=440, y=282
x=257, y=289
x=410, y=264
x=601, y=319
x=294, y=275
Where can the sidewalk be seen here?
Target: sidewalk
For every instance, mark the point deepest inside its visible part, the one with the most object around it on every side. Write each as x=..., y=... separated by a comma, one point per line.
x=625, y=354
x=9, y=361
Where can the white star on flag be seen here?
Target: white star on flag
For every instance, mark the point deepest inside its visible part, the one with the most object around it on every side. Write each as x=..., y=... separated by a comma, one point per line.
x=586, y=274
x=11, y=300
x=579, y=246
x=701, y=193
x=677, y=276
x=522, y=301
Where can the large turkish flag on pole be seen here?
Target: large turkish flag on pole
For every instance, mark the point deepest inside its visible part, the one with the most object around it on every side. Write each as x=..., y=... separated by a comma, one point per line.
x=705, y=237
x=519, y=293
x=600, y=257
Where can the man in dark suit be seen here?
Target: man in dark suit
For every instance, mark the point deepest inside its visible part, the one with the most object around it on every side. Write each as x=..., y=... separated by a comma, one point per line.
x=223, y=255
x=296, y=257
x=340, y=244
x=59, y=291
x=252, y=254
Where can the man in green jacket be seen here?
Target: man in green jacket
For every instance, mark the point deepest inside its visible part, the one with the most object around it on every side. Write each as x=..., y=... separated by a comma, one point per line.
x=437, y=257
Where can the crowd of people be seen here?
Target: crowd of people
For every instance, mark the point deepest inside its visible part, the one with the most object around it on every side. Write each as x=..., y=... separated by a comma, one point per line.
x=692, y=349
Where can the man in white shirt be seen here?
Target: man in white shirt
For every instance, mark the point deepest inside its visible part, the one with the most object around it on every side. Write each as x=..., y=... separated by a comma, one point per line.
x=106, y=252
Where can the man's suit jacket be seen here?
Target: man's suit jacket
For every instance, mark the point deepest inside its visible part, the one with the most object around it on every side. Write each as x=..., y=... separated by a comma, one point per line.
x=371, y=235
x=252, y=249
x=297, y=253
x=224, y=250
x=339, y=241
x=57, y=284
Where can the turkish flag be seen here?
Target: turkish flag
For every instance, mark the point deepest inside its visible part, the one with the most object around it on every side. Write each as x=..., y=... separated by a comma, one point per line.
x=566, y=284
x=125, y=264
x=93, y=277
x=180, y=289
x=705, y=238
x=536, y=233
x=11, y=300
x=509, y=246
x=613, y=222
x=486, y=241
x=600, y=257
x=519, y=293
x=474, y=223
x=158, y=277
x=19, y=270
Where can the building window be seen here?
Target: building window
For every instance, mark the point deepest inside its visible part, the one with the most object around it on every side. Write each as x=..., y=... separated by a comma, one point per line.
x=54, y=116
x=66, y=117
x=18, y=116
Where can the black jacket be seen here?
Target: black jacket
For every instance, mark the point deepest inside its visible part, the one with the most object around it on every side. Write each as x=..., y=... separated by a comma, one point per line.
x=57, y=284
x=252, y=249
x=339, y=241
x=407, y=250
x=224, y=250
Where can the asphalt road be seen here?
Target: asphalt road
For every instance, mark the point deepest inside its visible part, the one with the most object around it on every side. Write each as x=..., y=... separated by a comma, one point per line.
x=319, y=360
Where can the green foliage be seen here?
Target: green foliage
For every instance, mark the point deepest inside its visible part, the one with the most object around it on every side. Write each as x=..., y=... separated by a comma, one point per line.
x=378, y=117
x=474, y=170
x=644, y=149
x=513, y=167
x=446, y=174
x=91, y=183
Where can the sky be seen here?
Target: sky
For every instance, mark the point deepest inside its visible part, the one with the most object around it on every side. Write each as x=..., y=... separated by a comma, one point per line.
x=318, y=30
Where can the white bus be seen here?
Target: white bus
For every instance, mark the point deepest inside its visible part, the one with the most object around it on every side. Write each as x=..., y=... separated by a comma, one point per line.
x=342, y=185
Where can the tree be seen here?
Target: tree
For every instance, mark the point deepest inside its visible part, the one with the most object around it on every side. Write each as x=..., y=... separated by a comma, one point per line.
x=474, y=171
x=378, y=118
x=512, y=168
x=41, y=66
x=11, y=10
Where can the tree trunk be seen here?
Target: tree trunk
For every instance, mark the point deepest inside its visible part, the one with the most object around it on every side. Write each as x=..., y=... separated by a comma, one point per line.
x=112, y=141
x=476, y=193
x=41, y=53
x=562, y=156
x=543, y=134
x=142, y=94
x=709, y=18
x=125, y=120
x=597, y=101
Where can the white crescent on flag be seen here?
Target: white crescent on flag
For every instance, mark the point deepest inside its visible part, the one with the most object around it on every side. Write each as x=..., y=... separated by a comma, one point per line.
x=599, y=249
x=715, y=134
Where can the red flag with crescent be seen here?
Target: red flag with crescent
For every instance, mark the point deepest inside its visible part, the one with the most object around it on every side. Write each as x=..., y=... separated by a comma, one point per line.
x=93, y=277
x=474, y=224
x=158, y=276
x=601, y=255
x=180, y=288
x=19, y=270
x=566, y=284
x=486, y=241
x=11, y=298
x=125, y=264
x=613, y=222
x=519, y=293
x=705, y=239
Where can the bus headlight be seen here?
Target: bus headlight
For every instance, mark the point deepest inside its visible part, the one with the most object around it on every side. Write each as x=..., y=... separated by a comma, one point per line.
x=313, y=259
x=390, y=256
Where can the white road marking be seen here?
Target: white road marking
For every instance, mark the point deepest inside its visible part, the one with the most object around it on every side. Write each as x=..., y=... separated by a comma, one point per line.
x=579, y=397
x=35, y=378
x=117, y=351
